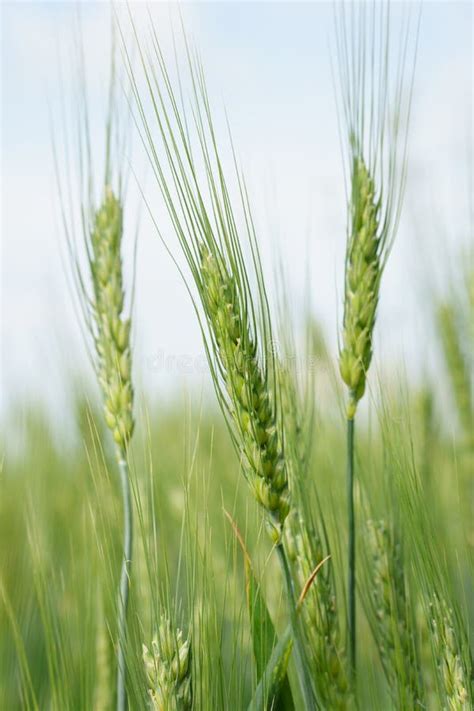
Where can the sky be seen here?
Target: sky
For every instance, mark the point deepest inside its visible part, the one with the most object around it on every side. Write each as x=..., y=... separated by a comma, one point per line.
x=268, y=65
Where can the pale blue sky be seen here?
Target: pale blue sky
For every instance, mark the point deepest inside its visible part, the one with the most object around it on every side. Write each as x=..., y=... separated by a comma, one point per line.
x=269, y=63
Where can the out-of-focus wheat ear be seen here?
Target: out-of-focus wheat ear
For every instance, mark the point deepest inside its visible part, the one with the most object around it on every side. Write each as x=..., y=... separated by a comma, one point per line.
x=452, y=658
x=391, y=617
x=111, y=333
x=426, y=416
x=95, y=252
x=305, y=537
x=460, y=374
x=320, y=614
x=168, y=669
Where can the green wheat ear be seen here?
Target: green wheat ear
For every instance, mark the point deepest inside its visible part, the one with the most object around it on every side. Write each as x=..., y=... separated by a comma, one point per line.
x=375, y=112
x=391, y=615
x=362, y=282
x=112, y=337
x=251, y=408
x=168, y=670
x=110, y=331
x=97, y=272
x=454, y=675
x=320, y=614
x=376, y=82
x=231, y=301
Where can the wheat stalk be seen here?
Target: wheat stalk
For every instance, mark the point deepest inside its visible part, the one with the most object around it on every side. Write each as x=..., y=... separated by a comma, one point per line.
x=98, y=279
x=234, y=318
x=375, y=139
x=111, y=334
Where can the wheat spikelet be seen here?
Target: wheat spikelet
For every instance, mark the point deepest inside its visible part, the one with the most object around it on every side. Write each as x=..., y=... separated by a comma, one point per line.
x=168, y=669
x=250, y=405
x=375, y=109
x=112, y=332
x=454, y=681
x=362, y=282
x=391, y=616
x=101, y=297
x=320, y=615
x=375, y=106
x=304, y=545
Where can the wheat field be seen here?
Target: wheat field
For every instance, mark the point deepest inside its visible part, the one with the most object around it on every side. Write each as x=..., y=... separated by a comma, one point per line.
x=297, y=537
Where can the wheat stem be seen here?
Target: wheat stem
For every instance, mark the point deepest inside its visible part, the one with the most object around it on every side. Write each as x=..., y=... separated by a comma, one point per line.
x=301, y=664
x=124, y=584
x=351, y=565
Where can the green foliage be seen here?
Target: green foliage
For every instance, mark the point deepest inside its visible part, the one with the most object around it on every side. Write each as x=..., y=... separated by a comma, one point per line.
x=273, y=677
x=190, y=568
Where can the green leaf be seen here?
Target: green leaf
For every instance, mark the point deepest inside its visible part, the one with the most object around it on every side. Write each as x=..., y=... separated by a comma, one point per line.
x=273, y=683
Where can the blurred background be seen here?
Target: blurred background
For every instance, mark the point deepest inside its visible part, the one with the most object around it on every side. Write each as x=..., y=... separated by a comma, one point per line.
x=269, y=66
